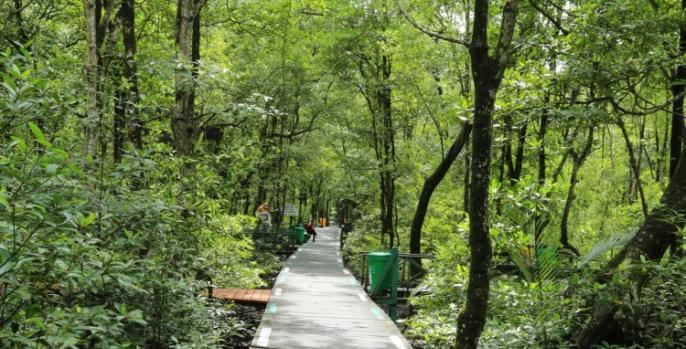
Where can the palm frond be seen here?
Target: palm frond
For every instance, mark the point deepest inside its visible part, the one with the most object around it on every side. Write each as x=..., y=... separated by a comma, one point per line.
x=520, y=260
x=603, y=246
x=548, y=263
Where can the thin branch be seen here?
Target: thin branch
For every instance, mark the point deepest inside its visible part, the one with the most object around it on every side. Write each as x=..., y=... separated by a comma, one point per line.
x=433, y=118
x=560, y=8
x=431, y=33
x=22, y=8
x=552, y=20
x=649, y=111
x=507, y=28
x=292, y=134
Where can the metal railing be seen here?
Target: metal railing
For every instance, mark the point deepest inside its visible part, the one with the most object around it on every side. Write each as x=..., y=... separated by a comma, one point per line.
x=277, y=241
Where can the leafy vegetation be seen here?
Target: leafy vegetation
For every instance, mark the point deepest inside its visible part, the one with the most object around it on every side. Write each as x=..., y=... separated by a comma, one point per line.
x=535, y=148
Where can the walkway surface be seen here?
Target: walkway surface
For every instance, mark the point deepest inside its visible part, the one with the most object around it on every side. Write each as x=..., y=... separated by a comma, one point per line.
x=316, y=303
x=240, y=295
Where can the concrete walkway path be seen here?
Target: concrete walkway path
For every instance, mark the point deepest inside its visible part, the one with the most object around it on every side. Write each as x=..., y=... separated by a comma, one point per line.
x=316, y=303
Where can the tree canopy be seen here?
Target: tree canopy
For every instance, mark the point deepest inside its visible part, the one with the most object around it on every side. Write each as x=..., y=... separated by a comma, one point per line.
x=535, y=148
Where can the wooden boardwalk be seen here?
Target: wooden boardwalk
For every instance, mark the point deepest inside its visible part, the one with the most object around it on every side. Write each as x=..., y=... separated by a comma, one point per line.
x=316, y=303
x=240, y=295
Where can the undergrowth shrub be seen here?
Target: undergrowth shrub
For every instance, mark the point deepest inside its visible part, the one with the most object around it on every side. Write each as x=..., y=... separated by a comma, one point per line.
x=100, y=255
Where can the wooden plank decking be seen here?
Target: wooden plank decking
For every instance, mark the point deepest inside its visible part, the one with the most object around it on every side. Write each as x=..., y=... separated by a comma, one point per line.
x=240, y=295
x=316, y=303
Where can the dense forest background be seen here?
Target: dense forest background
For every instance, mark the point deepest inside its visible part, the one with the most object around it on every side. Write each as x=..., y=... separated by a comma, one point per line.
x=139, y=136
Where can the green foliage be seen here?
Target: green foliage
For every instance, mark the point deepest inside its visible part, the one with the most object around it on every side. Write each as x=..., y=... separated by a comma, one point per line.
x=227, y=252
x=85, y=258
x=446, y=282
x=363, y=239
x=655, y=319
x=604, y=246
x=100, y=254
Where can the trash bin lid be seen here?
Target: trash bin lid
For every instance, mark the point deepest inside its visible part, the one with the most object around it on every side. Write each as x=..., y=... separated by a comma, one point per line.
x=379, y=254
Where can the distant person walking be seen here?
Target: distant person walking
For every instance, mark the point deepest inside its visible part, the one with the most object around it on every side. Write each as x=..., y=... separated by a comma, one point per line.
x=309, y=228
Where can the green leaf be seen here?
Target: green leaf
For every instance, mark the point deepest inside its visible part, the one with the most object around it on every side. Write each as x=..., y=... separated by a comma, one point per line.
x=40, y=137
x=6, y=268
x=605, y=245
x=14, y=70
x=19, y=143
x=3, y=198
x=61, y=152
x=88, y=220
x=520, y=261
x=136, y=316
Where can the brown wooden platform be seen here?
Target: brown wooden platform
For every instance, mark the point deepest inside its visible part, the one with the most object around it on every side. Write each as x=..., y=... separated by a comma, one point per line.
x=240, y=295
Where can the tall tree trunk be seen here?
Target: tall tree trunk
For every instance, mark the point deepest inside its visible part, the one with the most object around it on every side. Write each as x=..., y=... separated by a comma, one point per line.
x=578, y=161
x=430, y=184
x=99, y=22
x=128, y=19
x=658, y=151
x=678, y=88
x=507, y=164
x=184, y=124
x=467, y=178
x=19, y=21
x=633, y=163
x=93, y=71
x=516, y=174
x=665, y=151
x=539, y=223
x=543, y=129
x=388, y=171
x=487, y=74
x=118, y=127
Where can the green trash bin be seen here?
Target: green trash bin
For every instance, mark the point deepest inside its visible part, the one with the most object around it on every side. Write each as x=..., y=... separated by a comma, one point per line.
x=376, y=263
x=299, y=232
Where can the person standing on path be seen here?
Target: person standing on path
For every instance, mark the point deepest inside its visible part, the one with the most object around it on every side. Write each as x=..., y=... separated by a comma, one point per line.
x=309, y=228
x=264, y=219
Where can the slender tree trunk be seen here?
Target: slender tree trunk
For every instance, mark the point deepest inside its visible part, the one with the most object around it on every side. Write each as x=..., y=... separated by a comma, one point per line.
x=539, y=223
x=184, y=124
x=678, y=88
x=487, y=74
x=516, y=174
x=430, y=184
x=507, y=164
x=467, y=178
x=93, y=71
x=641, y=149
x=128, y=19
x=118, y=127
x=99, y=22
x=564, y=230
x=633, y=163
x=677, y=128
x=19, y=20
x=664, y=153
x=658, y=151
x=579, y=160
x=388, y=156
x=501, y=172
